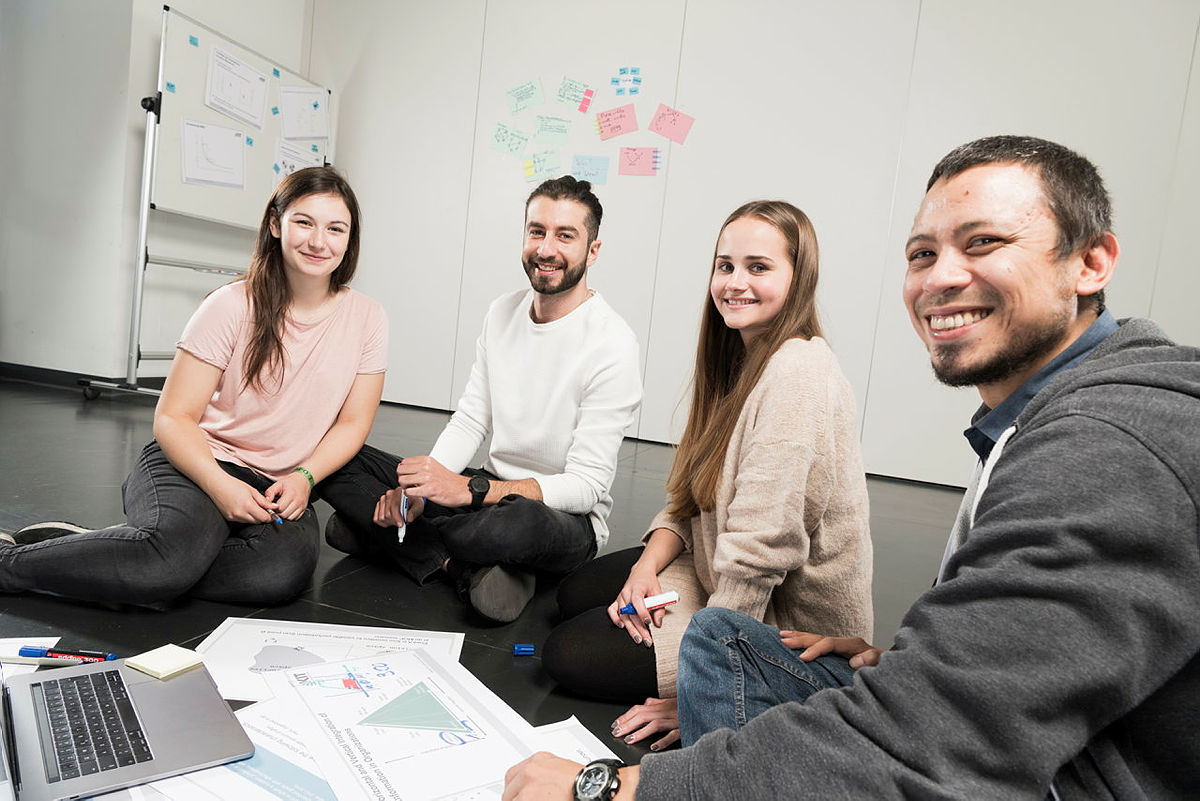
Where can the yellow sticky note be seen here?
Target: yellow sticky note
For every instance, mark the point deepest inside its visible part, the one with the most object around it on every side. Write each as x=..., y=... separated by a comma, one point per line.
x=165, y=662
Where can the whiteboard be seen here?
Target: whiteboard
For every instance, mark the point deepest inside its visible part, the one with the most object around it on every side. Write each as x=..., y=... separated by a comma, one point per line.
x=225, y=110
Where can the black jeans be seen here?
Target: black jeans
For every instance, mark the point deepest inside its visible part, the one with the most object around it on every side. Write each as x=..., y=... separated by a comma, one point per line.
x=586, y=653
x=175, y=543
x=517, y=531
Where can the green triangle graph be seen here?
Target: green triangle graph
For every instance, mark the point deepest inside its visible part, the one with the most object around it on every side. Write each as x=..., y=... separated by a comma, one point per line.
x=415, y=708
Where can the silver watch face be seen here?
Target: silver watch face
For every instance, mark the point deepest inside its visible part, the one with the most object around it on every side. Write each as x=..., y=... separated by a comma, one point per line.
x=592, y=781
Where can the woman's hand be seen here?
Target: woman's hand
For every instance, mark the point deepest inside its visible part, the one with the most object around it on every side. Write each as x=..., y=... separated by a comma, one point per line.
x=239, y=502
x=858, y=651
x=642, y=582
x=289, y=495
x=654, y=716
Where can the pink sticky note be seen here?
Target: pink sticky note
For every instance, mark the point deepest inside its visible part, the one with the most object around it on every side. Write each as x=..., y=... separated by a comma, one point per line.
x=671, y=123
x=638, y=161
x=616, y=121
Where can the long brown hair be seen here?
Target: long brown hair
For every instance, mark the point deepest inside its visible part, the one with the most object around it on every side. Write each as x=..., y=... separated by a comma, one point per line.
x=726, y=371
x=266, y=280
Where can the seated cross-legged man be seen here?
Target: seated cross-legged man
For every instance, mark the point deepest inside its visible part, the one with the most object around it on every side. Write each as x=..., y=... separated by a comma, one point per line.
x=555, y=382
x=1058, y=655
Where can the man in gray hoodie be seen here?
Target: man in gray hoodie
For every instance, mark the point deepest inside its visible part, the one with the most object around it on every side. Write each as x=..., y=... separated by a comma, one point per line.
x=1058, y=655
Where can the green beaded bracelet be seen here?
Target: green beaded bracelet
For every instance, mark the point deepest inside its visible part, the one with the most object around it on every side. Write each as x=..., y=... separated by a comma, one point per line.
x=307, y=475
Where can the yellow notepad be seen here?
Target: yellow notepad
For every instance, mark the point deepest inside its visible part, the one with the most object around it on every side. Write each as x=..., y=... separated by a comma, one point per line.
x=165, y=662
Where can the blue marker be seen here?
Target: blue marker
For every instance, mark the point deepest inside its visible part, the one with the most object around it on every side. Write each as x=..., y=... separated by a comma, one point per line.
x=653, y=602
x=278, y=520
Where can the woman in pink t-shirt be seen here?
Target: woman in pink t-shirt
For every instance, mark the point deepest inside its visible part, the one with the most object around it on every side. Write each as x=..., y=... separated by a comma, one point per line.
x=274, y=386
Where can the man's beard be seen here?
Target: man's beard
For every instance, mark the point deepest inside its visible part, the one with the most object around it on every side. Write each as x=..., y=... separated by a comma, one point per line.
x=1027, y=348
x=542, y=284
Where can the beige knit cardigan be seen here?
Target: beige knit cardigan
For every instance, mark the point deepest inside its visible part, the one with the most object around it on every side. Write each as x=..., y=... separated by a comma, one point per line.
x=787, y=541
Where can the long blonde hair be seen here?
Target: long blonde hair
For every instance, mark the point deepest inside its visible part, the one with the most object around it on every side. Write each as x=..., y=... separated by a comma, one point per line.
x=726, y=371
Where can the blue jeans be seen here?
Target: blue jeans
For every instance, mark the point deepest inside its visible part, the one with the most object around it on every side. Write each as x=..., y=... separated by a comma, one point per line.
x=175, y=543
x=517, y=531
x=732, y=668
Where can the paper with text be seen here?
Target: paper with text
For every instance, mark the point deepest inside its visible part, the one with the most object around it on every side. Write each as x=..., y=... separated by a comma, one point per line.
x=590, y=168
x=305, y=112
x=671, y=123
x=616, y=121
x=242, y=651
x=213, y=155
x=527, y=95
x=235, y=88
x=411, y=725
x=638, y=161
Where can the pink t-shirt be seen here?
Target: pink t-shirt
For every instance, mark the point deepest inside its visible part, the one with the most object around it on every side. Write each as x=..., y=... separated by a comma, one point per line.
x=274, y=430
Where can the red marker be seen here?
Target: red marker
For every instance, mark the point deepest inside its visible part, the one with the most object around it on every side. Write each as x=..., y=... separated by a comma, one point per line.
x=66, y=653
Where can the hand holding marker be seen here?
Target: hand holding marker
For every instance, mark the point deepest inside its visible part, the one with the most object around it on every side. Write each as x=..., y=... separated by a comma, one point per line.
x=652, y=602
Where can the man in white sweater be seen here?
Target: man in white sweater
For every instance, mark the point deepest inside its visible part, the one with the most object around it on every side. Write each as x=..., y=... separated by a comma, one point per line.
x=556, y=382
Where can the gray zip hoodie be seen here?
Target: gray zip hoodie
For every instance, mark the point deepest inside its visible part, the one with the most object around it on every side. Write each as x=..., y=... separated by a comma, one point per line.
x=1064, y=645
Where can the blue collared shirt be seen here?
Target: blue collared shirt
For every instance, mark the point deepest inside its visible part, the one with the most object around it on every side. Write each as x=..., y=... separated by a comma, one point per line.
x=988, y=424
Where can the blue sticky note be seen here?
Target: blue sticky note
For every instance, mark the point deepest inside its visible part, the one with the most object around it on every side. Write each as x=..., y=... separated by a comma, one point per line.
x=315, y=149
x=616, y=81
x=637, y=81
x=193, y=41
x=275, y=167
x=623, y=71
x=275, y=71
x=633, y=90
x=275, y=110
x=620, y=90
x=170, y=87
x=249, y=141
x=635, y=70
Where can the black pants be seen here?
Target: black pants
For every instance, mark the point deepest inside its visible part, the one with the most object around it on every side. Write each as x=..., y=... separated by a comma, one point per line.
x=517, y=531
x=586, y=653
x=175, y=543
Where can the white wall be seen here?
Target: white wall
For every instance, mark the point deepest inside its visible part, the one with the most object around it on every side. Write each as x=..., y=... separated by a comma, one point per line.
x=73, y=74
x=63, y=92
x=1108, y=79
x=841, y=108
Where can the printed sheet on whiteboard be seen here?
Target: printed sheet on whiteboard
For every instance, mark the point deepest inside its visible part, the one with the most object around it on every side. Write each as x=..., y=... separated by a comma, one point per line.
x=213, y=155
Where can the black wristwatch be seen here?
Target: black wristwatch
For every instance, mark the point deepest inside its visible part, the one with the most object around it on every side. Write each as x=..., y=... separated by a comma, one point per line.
x=599, y=780
x=479, y=486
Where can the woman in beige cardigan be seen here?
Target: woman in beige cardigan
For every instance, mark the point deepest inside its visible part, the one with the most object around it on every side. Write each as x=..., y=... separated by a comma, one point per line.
x=766, y=501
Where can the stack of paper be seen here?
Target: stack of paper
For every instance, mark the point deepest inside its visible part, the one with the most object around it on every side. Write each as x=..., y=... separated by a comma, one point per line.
x=348, y=712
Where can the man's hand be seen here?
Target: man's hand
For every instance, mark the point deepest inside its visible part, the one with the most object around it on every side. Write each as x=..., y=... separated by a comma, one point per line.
x=425, y=477
x=387, y=510
x=642, y=720
x=860, y=652
x=542, y=777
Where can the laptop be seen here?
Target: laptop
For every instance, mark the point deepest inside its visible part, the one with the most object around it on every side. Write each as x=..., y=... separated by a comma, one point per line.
x=80, y=731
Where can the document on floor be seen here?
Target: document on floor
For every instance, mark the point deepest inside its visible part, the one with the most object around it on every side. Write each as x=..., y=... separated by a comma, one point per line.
x=570, y=739
x=412, y=725
x=281, y=768
x=243, y=650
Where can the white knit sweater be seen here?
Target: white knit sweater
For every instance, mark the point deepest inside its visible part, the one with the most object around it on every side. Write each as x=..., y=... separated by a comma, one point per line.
x=557, y=399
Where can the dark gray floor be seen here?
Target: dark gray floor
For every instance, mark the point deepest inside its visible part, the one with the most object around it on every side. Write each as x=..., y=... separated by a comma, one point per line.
x=64, y=458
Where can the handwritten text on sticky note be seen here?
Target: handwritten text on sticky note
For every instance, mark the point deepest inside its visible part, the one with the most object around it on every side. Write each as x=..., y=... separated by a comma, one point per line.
x=616, y=121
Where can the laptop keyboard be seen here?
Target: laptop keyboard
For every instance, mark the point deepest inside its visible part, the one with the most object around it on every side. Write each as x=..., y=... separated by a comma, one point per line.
x=92, y=723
